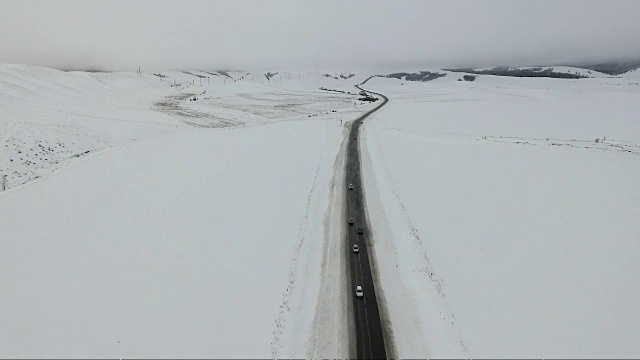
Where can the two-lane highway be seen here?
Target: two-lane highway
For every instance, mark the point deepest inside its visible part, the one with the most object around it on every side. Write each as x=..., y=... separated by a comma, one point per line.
x=369, y=332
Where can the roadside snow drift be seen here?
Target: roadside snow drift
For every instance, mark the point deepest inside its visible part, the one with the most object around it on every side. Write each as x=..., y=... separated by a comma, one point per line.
x=502, y=227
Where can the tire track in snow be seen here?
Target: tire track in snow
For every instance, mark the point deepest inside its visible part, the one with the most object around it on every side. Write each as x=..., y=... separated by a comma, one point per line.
x=427, y=269
x=285, y=306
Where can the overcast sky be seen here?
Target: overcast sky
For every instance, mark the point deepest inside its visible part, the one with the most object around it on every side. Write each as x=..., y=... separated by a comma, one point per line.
x=164, y=34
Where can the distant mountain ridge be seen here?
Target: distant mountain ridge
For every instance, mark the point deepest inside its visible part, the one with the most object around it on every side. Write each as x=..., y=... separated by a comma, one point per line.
x=574, y=71
x=548, y=72
x=613, y=68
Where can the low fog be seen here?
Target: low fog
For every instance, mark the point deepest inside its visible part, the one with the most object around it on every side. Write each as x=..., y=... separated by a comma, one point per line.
x=122, y=35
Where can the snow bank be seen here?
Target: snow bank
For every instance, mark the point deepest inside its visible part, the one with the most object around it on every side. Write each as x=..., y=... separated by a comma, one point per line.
x=502, y=229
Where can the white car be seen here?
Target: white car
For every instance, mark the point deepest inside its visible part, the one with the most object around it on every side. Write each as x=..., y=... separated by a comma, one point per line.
x=359, y=292
x=356, y=248
x=350, y=186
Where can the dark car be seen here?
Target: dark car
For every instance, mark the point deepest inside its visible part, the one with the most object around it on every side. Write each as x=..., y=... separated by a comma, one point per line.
x=360, y=230
x=351, y=221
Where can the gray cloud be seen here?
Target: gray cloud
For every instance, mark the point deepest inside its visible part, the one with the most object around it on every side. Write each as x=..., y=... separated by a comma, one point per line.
x=160, y=34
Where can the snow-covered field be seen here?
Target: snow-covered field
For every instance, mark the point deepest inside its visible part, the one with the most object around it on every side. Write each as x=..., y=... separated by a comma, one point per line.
x=172, y=228
x=199, y=214
x=501, y=227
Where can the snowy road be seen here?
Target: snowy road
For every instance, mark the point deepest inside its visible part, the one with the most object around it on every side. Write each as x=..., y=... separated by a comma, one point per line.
x=369, y=330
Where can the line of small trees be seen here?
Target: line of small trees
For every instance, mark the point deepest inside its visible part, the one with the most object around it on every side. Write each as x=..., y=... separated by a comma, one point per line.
x=421, y=76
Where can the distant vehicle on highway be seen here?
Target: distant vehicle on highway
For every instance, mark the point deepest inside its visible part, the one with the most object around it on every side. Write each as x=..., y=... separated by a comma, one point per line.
x=355, y=248
x=360, y=230
x=359, y=292
x=354, y=138
x=351, y=221
x=350, y=186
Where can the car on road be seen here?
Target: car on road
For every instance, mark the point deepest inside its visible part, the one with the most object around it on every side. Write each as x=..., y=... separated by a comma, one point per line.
x=355, y=248
x=351, y=221
x=350, y=186
x=359, y=292
x=360, y=230
x=354, y=138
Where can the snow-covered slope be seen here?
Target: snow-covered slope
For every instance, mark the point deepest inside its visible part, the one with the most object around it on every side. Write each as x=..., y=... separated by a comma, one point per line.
x=578, y=71
x=632, y=74
x=501, y=227
x=49, y=118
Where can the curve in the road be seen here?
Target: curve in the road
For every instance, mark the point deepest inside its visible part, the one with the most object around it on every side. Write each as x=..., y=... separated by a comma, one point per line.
x=369, y=331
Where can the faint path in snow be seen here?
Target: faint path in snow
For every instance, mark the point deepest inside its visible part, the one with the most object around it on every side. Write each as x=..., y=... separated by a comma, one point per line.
x=603, y=144
x=172, y=106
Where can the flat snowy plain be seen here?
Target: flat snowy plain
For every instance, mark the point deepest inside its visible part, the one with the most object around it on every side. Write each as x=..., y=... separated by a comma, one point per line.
x=153, y=217
x=502, y=229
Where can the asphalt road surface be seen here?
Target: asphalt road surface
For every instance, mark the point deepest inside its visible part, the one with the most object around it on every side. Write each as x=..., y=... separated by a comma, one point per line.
x=369, y=333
